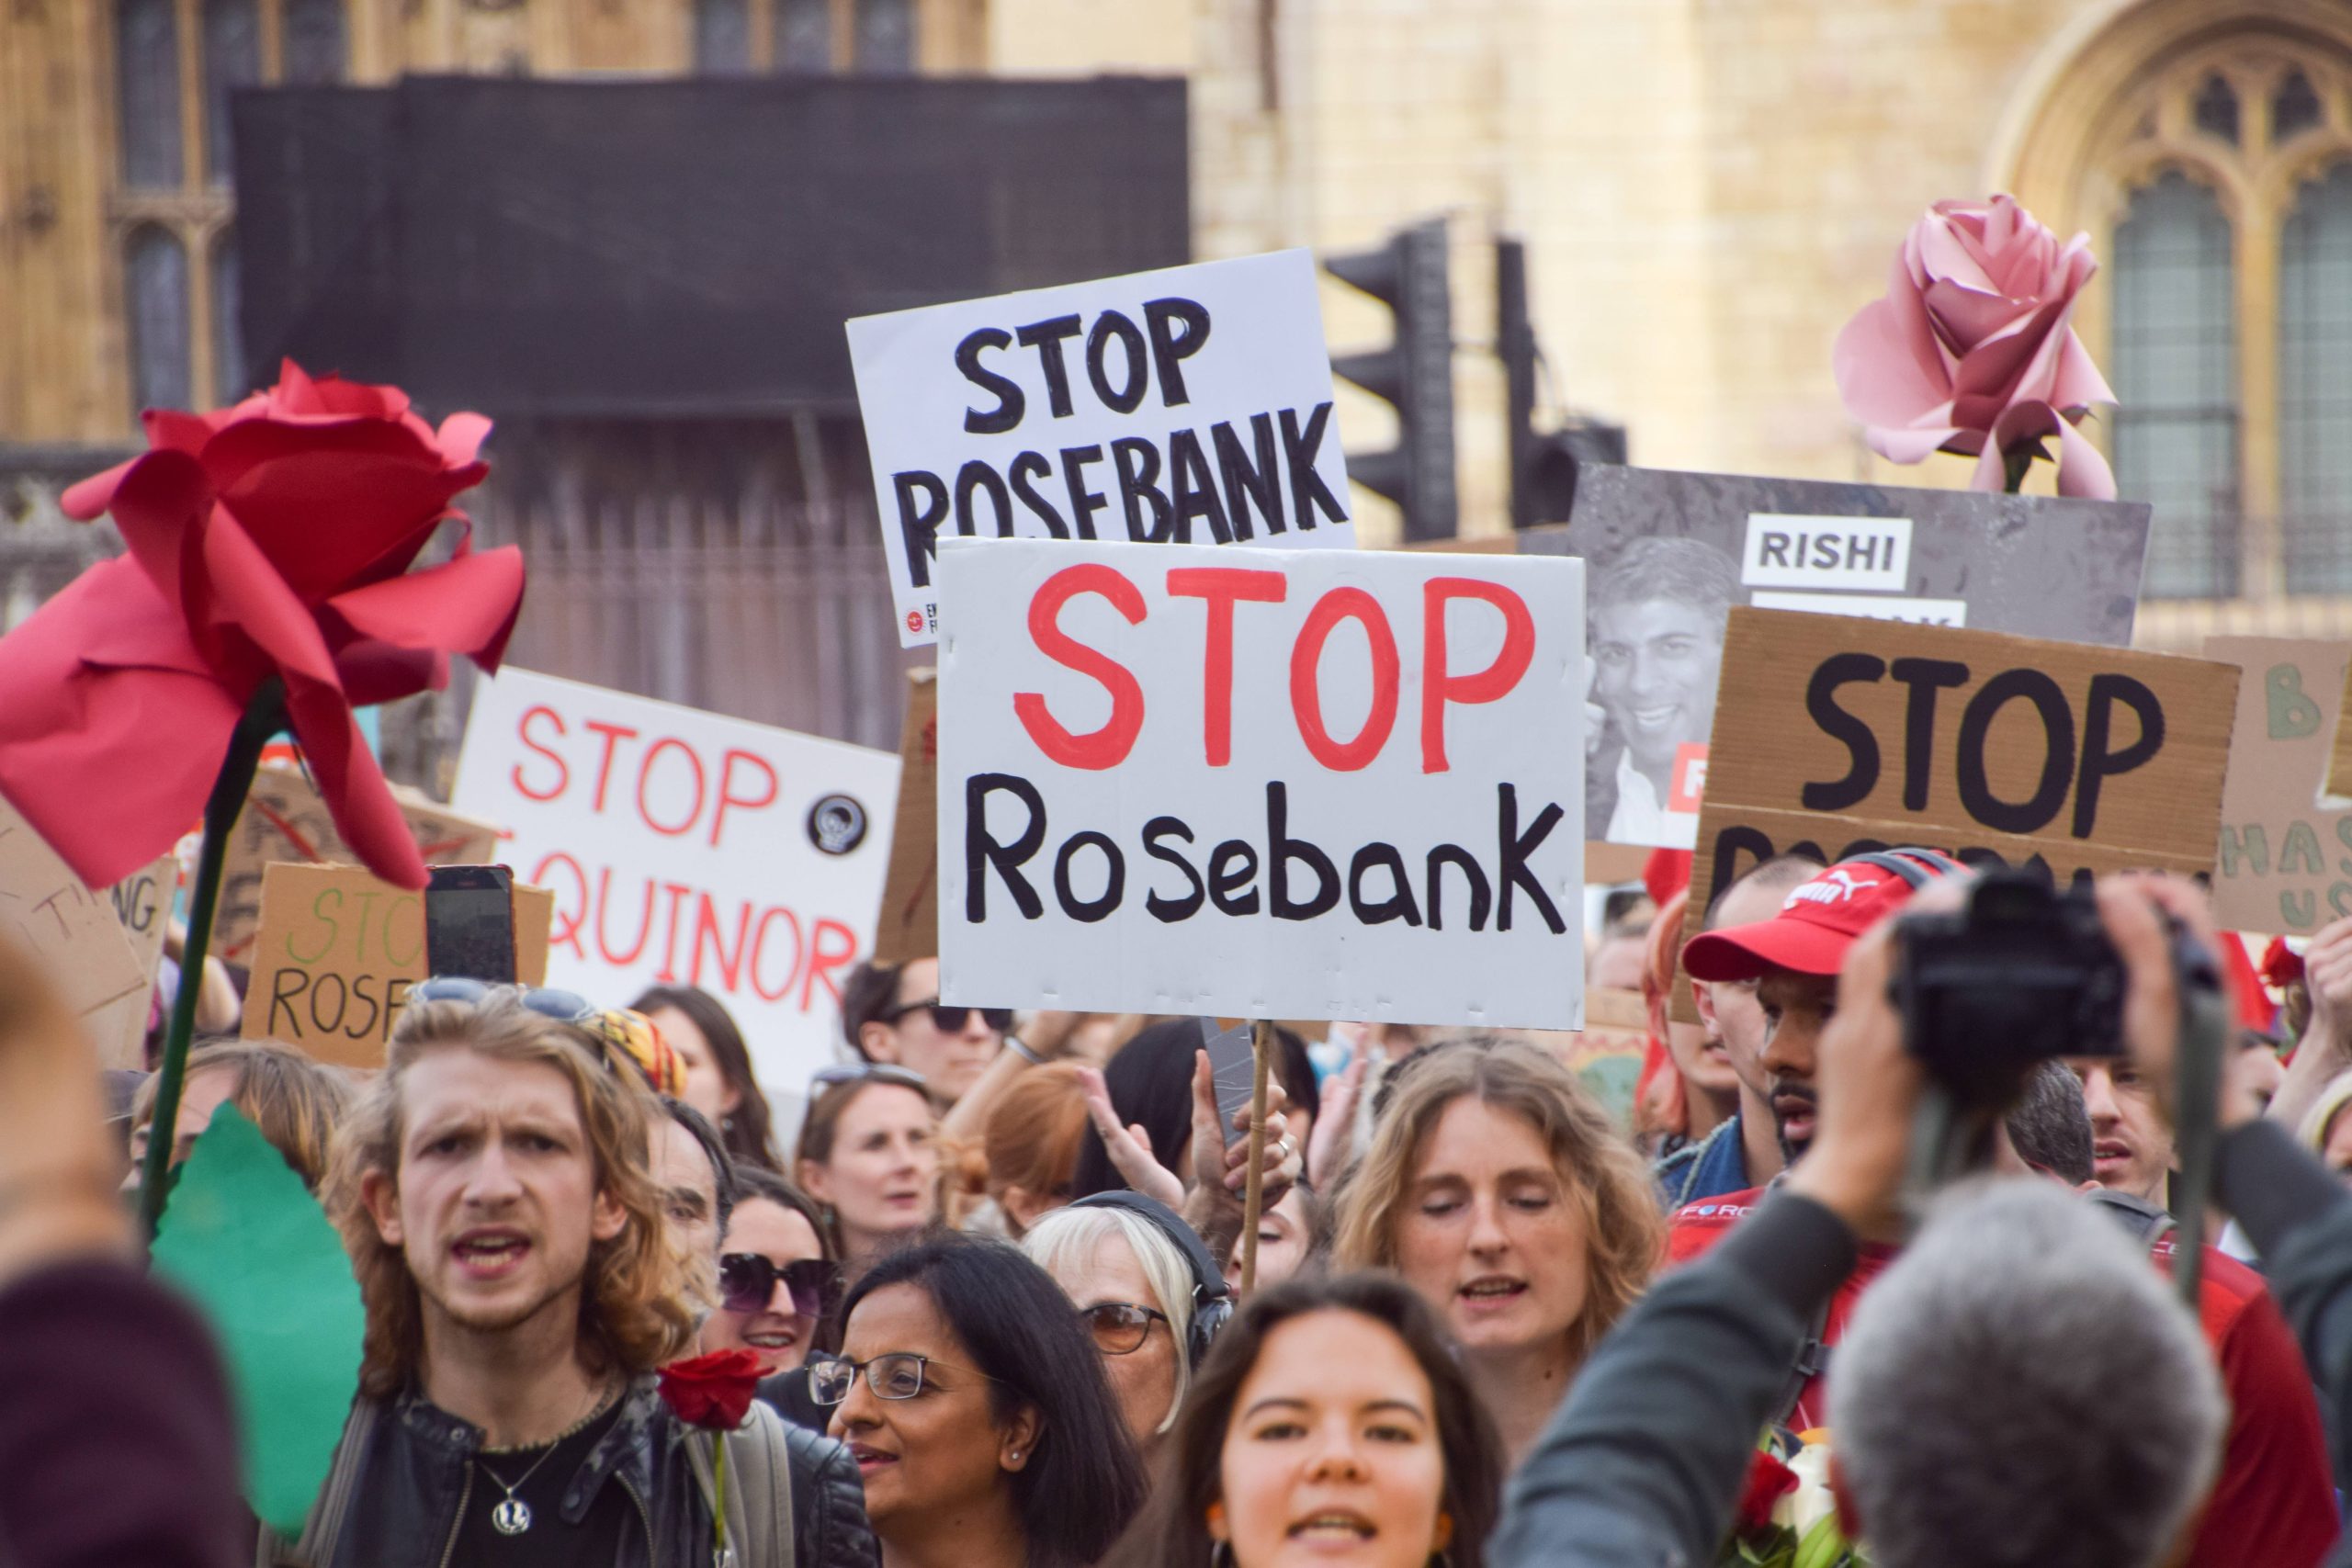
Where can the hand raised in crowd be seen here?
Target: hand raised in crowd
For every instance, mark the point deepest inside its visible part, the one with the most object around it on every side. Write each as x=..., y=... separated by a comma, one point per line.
x=1329, y=1141
x=1869, y=1086
x=2326, y=1048
x=2133, y=907
x=1209, y=1194
x=1129, y=1146
x=58, y=1169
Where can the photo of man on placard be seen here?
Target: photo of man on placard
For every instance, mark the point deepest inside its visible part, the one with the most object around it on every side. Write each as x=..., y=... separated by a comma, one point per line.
x=1657, y=642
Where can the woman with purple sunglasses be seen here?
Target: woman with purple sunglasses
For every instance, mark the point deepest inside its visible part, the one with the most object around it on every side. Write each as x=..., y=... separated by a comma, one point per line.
x=776, y=1278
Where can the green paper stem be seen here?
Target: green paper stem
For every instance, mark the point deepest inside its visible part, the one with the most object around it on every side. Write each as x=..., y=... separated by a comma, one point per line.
x=718, y=1508
x=264, y=716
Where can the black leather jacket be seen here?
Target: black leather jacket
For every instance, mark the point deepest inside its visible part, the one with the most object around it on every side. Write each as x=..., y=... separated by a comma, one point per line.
x=418, y=1467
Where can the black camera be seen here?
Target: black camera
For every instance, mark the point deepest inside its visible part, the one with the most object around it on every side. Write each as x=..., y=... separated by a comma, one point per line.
x=2017, y=975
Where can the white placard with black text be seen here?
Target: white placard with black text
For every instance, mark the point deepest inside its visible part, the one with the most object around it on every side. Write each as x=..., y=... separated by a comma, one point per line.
x=1258, y=784
x=1190, y=405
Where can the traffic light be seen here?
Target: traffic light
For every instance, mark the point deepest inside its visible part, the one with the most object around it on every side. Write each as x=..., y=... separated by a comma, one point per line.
x=1414, y=373
x=1544, y=464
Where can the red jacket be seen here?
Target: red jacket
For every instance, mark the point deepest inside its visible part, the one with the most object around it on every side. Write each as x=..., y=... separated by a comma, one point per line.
x=2274, y=1502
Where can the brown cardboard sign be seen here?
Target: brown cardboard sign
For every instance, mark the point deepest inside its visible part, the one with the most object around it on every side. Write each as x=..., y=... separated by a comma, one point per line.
x=143, y=906
x=336, y=951
x=2284, y=863
x=70, y=930
x=1838, y=736
x=908, y=925
x=286, y=820
x=2336, y=790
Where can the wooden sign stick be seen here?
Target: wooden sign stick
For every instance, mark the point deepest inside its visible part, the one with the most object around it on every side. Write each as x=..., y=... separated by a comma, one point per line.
x=1253, y=1194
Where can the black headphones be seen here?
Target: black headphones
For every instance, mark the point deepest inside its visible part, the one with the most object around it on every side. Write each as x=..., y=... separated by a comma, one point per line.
x=1212, y=1297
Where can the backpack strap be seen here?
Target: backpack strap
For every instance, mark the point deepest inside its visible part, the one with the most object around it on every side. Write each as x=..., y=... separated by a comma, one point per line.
x=759, y=1487
x=323, y=1529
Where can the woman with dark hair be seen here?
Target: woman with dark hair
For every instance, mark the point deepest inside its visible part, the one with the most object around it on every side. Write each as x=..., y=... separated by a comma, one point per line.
x=1150, y=1082
x=978, y=1411
x=776, y=1276
x=1330, y=1420
x=719, y=1069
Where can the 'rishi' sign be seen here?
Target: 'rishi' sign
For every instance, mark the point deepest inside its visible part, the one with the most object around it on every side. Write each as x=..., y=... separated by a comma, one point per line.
x=1186, y=406
x=1252, y=784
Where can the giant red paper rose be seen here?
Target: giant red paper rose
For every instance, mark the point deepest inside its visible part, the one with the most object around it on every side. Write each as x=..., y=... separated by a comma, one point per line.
x=273, y=538
x=713, y=1391
x=1973, y=350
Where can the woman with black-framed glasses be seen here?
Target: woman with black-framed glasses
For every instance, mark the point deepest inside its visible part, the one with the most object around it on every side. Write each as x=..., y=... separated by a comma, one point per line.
x=1134, y=1297
x=976, y=1407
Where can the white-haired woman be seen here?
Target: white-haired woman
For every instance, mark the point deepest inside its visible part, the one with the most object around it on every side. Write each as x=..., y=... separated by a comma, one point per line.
x=1141, y=1282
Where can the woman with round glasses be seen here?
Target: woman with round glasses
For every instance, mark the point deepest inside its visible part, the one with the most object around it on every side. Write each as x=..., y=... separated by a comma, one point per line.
x=978, y=1415
x=775, y=1281
x=1136, y=1296
x=869, y=1155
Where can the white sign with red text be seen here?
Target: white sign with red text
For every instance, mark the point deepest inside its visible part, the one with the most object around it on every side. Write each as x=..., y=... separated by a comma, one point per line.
x=1190, y=405
x=1262, y=783
x=684, y=848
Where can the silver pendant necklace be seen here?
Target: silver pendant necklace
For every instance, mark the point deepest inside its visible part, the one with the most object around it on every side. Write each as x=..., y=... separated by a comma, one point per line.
x=512, y=1516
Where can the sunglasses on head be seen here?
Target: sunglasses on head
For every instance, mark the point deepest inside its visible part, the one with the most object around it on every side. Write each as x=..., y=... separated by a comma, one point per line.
x=950, y=1020
x=564, y=1007
x=858, y=1072
x=746, y=1283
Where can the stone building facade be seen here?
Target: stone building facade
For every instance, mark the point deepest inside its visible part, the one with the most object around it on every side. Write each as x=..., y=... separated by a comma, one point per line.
x=1708, y=189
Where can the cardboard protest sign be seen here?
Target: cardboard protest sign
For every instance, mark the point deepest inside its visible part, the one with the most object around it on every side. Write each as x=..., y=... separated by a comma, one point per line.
x=285, y=819
x=337, y=949
x=2282, y=860
x=2335, y=790
x=1670, y=552
x=907, y=925
x=143, y=907
x=46, y=910
x=1838, y=736
x=684, y=848
x=1188, y=406
x=1253, y=783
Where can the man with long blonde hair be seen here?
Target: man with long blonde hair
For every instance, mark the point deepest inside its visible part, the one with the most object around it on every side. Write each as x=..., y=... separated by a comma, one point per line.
x=492, y=1187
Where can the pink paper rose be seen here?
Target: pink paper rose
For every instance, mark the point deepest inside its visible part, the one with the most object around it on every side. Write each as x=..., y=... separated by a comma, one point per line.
x=1971, y=350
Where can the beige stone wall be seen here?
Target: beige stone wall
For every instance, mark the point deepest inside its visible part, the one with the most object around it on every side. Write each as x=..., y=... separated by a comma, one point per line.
x=1708, y=188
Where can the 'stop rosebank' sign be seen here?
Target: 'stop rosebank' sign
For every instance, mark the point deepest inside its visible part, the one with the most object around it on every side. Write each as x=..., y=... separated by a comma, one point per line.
x=1258, y=784
x=1187, y=406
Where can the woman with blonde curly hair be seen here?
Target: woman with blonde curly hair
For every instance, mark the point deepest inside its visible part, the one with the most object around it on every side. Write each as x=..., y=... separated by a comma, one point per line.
x=493, y=1192
x=1499, y=1188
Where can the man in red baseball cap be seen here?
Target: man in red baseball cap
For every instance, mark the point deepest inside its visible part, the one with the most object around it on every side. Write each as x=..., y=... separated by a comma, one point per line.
x=2272, y=1502
x=1794, y=958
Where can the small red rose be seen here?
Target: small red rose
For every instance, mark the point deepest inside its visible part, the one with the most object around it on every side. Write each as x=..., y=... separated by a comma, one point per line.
x=1768, y=1481
x=713, y=1391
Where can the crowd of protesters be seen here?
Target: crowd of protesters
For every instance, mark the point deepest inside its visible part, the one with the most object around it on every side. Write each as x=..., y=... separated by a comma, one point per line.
x=990, y=1276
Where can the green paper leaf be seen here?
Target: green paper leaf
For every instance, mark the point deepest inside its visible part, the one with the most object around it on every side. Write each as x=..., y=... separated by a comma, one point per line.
x=246, y=1241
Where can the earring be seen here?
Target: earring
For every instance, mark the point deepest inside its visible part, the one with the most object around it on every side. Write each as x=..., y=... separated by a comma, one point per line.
x=1222, y=1557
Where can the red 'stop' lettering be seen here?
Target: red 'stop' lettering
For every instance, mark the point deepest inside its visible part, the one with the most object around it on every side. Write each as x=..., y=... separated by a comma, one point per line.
x=1223, y=587
x=1439, y=685
x=1109, y=745
x=523, y=733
